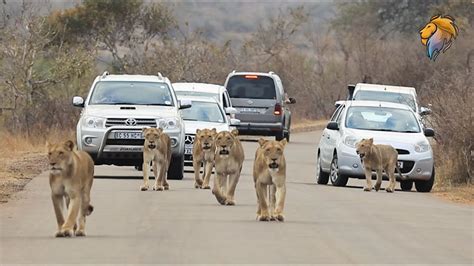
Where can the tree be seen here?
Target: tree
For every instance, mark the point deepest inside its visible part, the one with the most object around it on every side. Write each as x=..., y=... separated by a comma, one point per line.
x=116, y=26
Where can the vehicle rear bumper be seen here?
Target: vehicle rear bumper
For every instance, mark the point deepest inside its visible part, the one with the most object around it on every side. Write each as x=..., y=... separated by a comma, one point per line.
x=246, y=128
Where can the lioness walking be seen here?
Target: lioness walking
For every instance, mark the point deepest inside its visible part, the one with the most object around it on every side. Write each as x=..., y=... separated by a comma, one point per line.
x=379, y=158
x=228, y=165
x=269, y=175
x=156, y=149
x=203, y=153
x=71, y=173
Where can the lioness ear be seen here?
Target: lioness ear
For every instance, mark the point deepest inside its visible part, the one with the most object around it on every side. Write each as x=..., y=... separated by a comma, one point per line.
x=69, y=144
x=160, y=130
x=434, y=17
x=198, y=131
x=235, y=132
x=262, y=142
x=371, y=140
x=144, y=129
x=214, y=131
x=283, y=142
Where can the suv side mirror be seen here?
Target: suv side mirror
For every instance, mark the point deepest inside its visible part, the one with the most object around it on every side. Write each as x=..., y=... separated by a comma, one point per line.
x=429, y=132
x=425, y=111
x=184, y=104
x=230, y=110
x=234, y=122
x=77, y=101
x=332, y=125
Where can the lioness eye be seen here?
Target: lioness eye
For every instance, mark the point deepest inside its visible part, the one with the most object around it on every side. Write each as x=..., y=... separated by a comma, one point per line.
x=61, y=153
x=49, y=153
x=278, y=150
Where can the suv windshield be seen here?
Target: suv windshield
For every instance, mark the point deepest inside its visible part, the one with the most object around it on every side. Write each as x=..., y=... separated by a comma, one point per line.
x=251, y=86
x=386, y=96
x=381, y=119
x=136, y=93
x=203, y=111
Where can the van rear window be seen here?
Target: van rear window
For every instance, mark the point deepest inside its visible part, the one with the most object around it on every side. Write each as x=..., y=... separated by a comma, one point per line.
x=251, y=86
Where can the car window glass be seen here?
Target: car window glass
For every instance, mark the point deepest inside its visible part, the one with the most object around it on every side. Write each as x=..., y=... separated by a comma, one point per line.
x=381, y=119
x=204, y=111
x=386, y=96
x=251, y=86
x=334, y=115
x=136, y=93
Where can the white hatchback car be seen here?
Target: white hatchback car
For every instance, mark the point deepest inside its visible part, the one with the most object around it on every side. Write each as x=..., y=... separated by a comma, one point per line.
x=388, y=123
x=205, y=112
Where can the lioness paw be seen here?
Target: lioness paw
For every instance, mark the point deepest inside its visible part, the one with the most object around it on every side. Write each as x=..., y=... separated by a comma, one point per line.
x=377, y=187
x=144, y=188
x=206, y=187
x=367, y=189
x=158, y=188
x=229, y=202
x=59, y=234
x=389, y=190
x=68, y=233
x=280, y=217
x=264, y=218
x=80, y=233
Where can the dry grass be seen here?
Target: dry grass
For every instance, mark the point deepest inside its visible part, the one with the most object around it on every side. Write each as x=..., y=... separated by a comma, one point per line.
x=461, y=193
x=21, y=159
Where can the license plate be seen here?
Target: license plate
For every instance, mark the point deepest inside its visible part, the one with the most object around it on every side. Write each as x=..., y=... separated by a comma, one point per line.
x=128, y=135
x=248, y=110
x=188, y=148
x=400, y=164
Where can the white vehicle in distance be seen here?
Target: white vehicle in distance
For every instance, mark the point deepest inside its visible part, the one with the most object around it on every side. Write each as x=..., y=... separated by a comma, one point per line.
x=206, y=90
x=388, y=93
x=116, y=110
x=387, y=123
x=205, y=112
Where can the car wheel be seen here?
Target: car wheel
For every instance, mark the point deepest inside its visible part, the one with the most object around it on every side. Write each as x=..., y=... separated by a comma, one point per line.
x=176, y=169
x=406, y=185
x=322, y=178
x=280, y=135
x=425, y=185
x=337, y=179
x=287, y=136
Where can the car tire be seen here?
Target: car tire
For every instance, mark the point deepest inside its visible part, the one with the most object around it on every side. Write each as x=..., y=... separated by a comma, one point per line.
x=280, y=135
x=406, y=185
x=322, y=178
x=337, y=179
x=287, y=136
x=425, y=185
x=176, y=168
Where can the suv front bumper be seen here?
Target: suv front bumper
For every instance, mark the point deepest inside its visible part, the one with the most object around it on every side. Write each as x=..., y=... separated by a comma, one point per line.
x=104, y=148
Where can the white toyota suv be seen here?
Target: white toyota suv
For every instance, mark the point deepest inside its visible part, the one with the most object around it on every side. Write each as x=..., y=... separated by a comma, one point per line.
x=116, y=110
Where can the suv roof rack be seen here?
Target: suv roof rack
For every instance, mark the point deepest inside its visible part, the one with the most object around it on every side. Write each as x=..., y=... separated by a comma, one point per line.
x=105, y=74
x=271, y=73
x=160, y=76
x=233, y=71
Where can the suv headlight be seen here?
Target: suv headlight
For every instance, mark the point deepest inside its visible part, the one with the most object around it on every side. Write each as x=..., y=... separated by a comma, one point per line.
x=422, y=146
x=351, y=141
x=169, y=123
x=93, y=122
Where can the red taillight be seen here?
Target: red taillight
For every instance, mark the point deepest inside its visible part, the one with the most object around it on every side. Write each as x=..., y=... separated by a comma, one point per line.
x=277, y=109
x=251, y=77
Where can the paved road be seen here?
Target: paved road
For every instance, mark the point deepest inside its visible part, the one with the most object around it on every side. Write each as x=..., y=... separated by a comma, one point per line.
x=324, y=224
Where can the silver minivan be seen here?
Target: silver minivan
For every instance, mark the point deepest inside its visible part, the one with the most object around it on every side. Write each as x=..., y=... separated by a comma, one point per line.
x=262, y=103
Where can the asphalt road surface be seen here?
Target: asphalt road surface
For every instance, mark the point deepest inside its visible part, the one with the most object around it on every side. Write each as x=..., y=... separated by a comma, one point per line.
x=324, y=224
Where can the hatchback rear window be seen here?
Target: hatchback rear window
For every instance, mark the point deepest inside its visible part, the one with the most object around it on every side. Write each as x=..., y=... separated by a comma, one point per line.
x=251, y=86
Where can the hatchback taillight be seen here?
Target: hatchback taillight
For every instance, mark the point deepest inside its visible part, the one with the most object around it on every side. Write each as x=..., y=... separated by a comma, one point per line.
x=278, y=109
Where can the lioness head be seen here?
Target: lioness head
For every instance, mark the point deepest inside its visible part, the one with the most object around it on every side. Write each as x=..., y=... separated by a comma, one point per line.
x=224, y=141
x=152, y=136
x=59, y=156
x=273, y=152
x=206, y=137
x=364, y=146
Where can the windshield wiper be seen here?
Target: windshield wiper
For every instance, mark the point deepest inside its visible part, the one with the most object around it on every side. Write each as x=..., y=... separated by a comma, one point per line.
x=156, y=104
x=122, y=103
x=188, y=119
